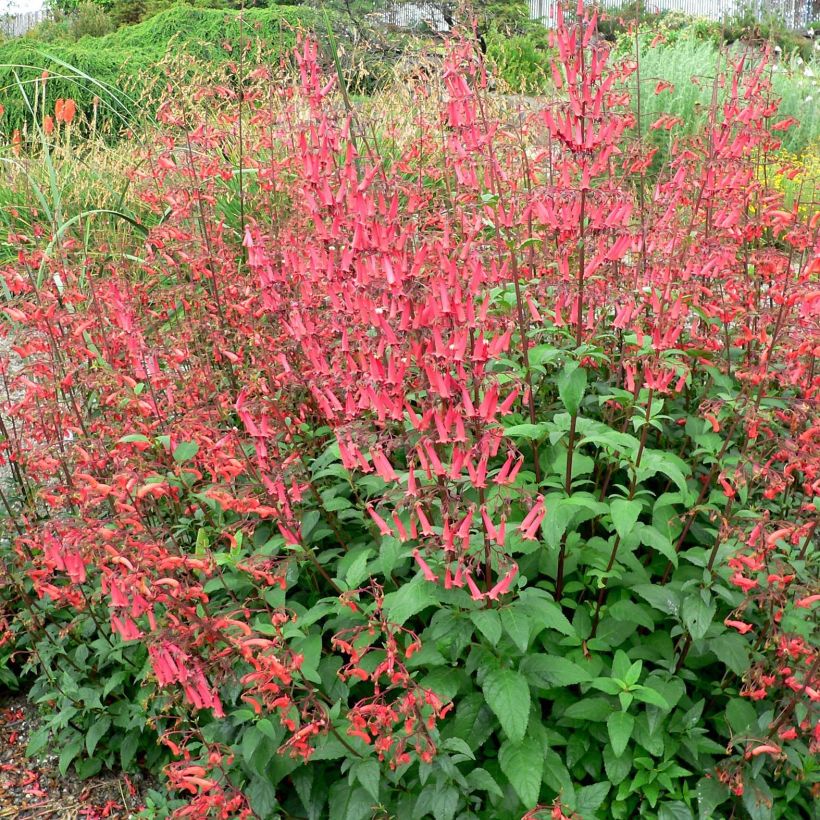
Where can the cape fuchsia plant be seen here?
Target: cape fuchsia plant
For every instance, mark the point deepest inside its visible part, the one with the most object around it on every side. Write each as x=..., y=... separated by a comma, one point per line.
x=461, y=468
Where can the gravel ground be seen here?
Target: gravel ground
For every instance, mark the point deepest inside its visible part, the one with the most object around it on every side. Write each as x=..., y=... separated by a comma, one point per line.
x=34, y=788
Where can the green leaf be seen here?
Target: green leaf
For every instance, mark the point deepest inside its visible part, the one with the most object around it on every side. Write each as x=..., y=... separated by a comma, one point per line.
x=473, y=721
x=517, y=625
x=488, y=622
x=69, y=752
x=670, y=465
x=445, y=802
x=357, y=571
x=303, y=779
x=594, y=709
x=617, y=767
x=547, y=671
x=346, y=803
x=757, y=798
x=555, y=523
x=529, y=431
x=661, y=597
x=262, y=796
x=677, y=810
x=731, y=650
x=543, y=353
x=711, y=793
x=458, y=746
x=741, y=715
x=523, y=764
x=647, y=695
x=185, y=451
x=591, y=798
x=134, y=437
x=37, y=741
x=625, y=515
x=390, y=552
x=97, y=730
x=631, y=612
x=546, y=613
x=697, y=615
x=367, y=772
x=128, y=749
x=620, y=726
x=572, y=383
x=409, y=600
x=88, y=767
x=482, y=780
x=508, y=695
x=659, y=542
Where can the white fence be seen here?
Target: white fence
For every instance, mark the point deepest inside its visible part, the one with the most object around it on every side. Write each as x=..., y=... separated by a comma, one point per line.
x=437, y=16
x=420, y=15
x=795, y=14
x=16, y=25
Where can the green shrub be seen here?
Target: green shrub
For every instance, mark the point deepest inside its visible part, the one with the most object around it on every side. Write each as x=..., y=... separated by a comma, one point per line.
x=520, y=61
x=90, y=20
x=130, y=59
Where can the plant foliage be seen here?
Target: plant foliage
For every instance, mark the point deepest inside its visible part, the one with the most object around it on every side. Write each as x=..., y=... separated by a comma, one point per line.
x=429, y=464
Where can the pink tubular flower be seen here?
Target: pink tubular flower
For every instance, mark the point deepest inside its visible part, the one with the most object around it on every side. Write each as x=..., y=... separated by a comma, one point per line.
x=529, y=526
x=740, y=626
x=429, y=575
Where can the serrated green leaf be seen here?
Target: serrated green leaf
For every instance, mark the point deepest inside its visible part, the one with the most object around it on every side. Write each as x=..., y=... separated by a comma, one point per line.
x=572, y=383
x=529, y=431
x=445, y=801
x=697, y=615
x=620, y=726
x=262, y=796
x=523, y=765
x=545, y=613
x=128, y=749
x=473, y=721
x=625, y=515
x=711, y=793
x=590, y=798
x=594, y=709
x=676, y=810
x=741, y=715
x=347, y=804
x=409, y=600
x=95, y=732
x=357, y=571
x=547, y=671
x=508, y=695
x=659, y=542
x=617, y=767
x=660, y=597
x=516, y=623
x=482, y=780
x=68, y=753
x=390, y=551
x=488, y=622
x=648, y=695
x=37, y=741
x=367, y=772
x=670, y=465
x=757, y=798
x=185, y=451
x=732, y=650
x=458, y=746
x=631, y=612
